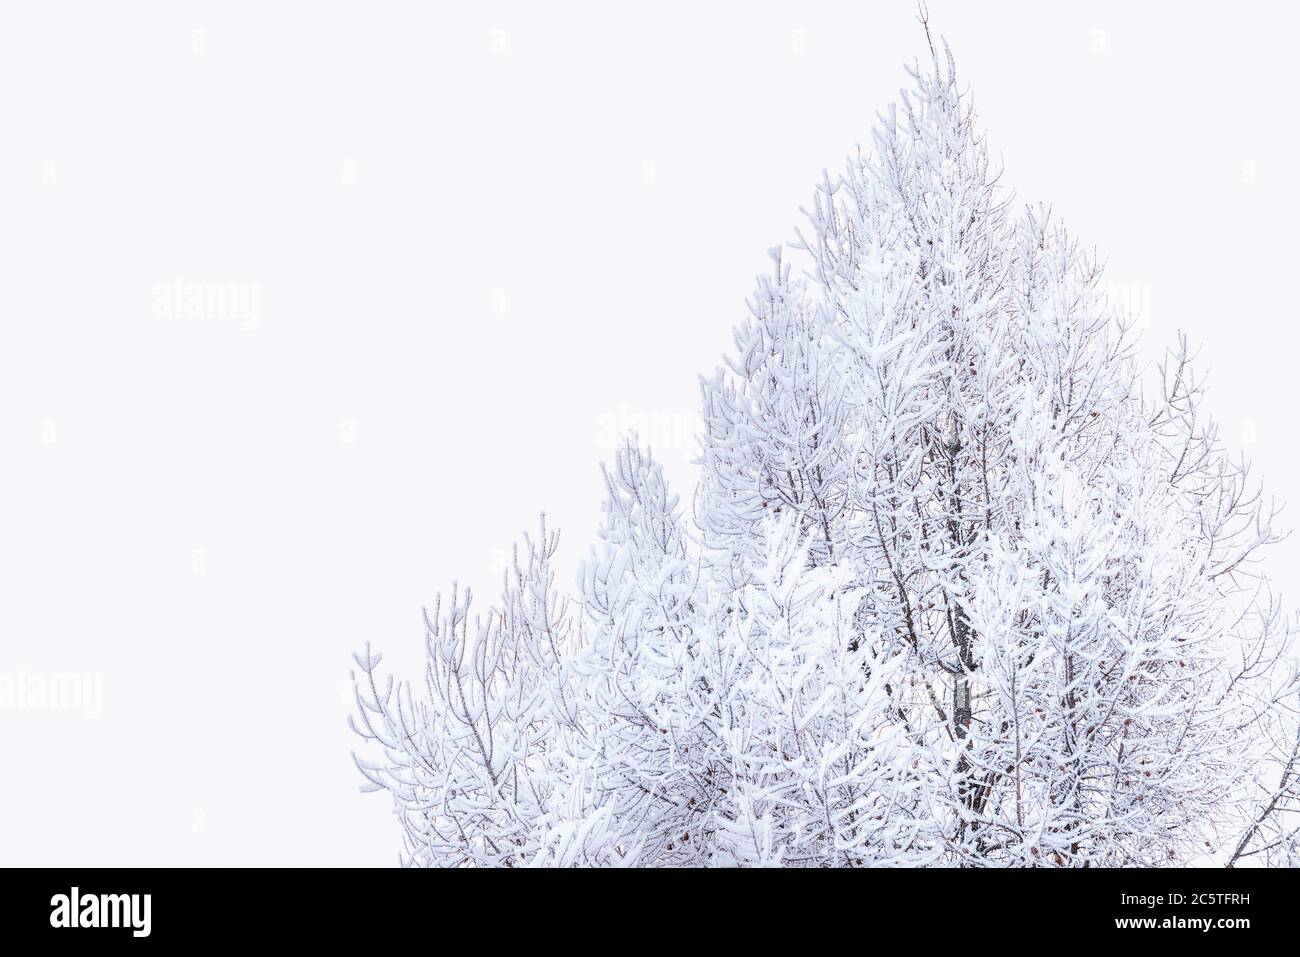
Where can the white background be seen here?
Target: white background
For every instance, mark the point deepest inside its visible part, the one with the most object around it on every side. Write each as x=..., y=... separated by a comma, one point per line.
x=482, y=242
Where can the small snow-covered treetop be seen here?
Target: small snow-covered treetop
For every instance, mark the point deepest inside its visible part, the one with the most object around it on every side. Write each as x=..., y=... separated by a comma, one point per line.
x=963, y=584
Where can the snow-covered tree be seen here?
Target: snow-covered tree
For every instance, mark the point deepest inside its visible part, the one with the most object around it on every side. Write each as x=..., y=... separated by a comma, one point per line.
x=774, y=429
x=963, y=584
x=476, y=762
x=645, y=608
x=818, y=768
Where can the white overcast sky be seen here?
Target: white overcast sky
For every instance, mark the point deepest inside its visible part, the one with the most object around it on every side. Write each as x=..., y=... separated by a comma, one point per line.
x=479, y=241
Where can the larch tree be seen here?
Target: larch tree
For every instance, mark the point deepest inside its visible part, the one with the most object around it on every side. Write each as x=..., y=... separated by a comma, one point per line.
x=964, y=584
